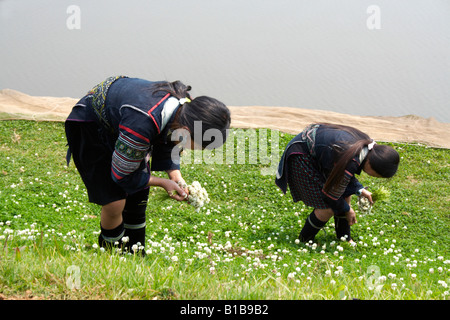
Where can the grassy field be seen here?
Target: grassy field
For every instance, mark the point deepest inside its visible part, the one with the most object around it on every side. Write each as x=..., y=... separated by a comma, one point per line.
x=240, y=246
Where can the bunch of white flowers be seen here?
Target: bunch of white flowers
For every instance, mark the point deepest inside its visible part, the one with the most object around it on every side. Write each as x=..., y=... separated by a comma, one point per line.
x=378, y=194
x=364, y=205
x=198, y=196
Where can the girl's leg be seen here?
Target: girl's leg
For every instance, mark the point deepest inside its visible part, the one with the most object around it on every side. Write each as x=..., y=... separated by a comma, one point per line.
x=111, y=223
x=315, y=221
x=134, y=219
x=342, y=227
x=341, y=224
x=93, y=160
x=324, y=214
x=111, y=214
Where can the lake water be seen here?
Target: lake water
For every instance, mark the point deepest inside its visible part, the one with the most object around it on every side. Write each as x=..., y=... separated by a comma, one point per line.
x=355, y=56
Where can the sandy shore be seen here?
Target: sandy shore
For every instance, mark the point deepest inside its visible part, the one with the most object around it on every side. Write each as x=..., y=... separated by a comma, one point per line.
x=409, y=129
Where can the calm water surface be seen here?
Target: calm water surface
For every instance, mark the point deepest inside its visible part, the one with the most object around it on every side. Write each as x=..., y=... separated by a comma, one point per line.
x=308, y=54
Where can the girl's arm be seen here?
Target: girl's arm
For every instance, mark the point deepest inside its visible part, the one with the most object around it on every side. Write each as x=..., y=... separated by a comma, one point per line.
x=367, y=194
x=173, y=189
x=334, y=197
x=175, y=175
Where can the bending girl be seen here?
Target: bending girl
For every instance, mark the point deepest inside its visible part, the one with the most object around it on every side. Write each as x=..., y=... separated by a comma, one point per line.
x=320, y=164
x=113, y=131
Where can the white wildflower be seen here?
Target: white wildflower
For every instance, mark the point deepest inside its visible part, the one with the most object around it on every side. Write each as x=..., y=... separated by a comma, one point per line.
x=198, y=196
x=364, y=205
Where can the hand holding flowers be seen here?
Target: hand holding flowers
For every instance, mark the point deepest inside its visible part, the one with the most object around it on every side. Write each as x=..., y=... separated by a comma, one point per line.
x=365, y=201
x=364, y=205
x=198, y=196
x=174, y=190
x=170, y=185
x=367, y=198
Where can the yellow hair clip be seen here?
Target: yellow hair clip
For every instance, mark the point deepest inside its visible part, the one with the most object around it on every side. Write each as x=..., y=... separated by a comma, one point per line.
x=184, y=100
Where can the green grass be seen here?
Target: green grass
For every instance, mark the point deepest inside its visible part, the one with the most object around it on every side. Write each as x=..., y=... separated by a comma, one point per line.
x=240, y=246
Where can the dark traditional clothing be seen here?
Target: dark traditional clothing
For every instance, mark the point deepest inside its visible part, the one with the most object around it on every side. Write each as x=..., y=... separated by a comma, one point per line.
x=304, y=181
x=111, y=131
x=307, y=162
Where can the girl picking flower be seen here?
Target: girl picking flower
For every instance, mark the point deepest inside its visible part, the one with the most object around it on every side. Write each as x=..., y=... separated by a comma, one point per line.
x=114, y=130
x=319, y=166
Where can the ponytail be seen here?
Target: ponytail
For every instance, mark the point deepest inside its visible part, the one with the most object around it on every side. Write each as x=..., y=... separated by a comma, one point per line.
x=383, y=159
x=176, y=89
x=344, y=158
x=210, y=112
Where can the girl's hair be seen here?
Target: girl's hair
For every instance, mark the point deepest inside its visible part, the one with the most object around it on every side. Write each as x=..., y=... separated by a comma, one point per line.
x=383, y=159
x=177, y=89
x=211, y=113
